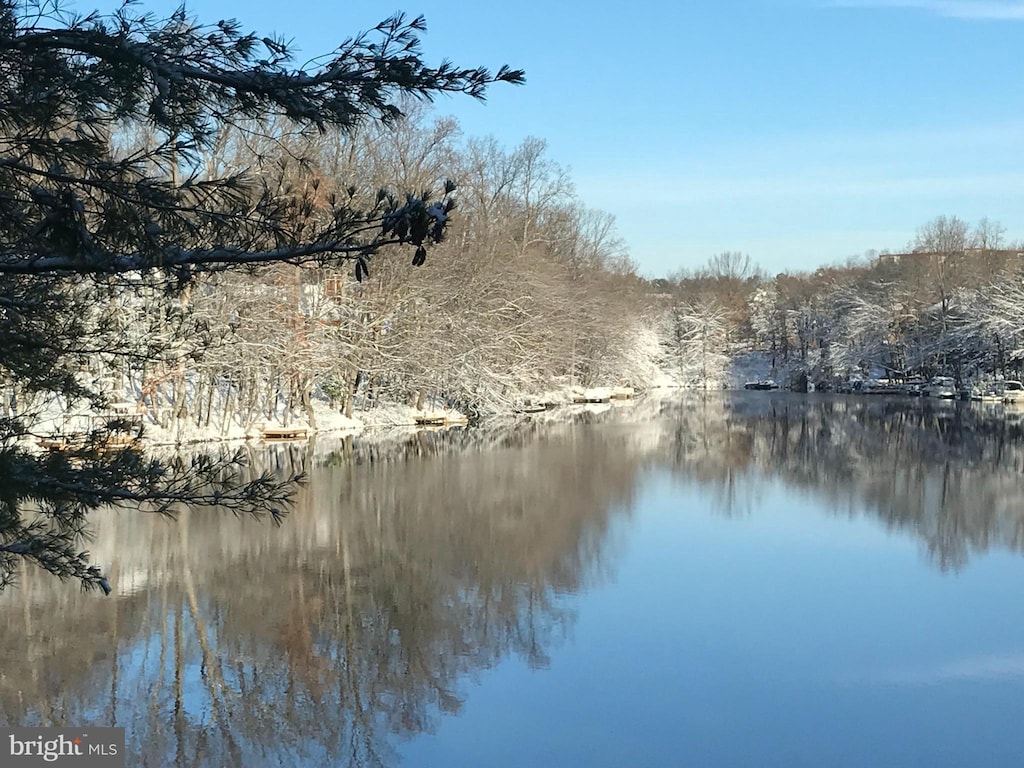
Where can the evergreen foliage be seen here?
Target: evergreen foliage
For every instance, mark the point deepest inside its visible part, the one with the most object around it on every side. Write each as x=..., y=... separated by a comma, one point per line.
x=83, y=222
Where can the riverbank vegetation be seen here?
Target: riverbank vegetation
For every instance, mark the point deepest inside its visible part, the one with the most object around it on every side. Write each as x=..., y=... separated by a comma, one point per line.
x=949, y=304
x=529, y=290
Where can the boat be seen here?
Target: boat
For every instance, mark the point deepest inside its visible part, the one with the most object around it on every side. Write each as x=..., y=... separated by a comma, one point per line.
x=942, y=387
x=535, y=408
x=763, y=384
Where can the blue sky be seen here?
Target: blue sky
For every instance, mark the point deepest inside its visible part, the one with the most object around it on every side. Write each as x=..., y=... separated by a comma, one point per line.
x=801, y=132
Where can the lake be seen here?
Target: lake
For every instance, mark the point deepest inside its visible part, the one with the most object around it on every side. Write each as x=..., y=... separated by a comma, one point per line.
x=744, y=579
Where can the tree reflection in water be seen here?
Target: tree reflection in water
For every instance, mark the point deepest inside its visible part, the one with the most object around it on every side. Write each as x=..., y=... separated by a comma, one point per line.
x=405, y=567
x=410, y=564
x=949, y=474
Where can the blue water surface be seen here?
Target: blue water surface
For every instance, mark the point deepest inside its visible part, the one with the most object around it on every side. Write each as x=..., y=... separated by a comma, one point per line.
x=788, y=636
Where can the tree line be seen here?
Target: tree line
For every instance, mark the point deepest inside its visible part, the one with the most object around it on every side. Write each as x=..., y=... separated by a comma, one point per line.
x=950, y=304
x=528, y=290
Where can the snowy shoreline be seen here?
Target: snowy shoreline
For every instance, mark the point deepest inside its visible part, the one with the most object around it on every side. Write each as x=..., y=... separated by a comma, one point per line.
x=385, y=417
x=53, y=422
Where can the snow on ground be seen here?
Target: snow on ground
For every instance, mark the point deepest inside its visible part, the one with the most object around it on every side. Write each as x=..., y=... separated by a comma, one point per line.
x=332, y=420
x=397, y=415
x=656, y=382
x=184, y=432
x=328, y=420
x=665, y=380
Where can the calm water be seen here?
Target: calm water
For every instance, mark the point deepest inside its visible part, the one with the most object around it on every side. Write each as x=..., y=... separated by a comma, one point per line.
x=747, y=580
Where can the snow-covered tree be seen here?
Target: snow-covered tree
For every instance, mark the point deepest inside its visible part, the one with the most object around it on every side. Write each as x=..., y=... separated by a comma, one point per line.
x=83, y=220
x=695, y=338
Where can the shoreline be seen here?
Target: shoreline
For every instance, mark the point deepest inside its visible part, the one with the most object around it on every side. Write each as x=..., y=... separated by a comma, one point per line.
x=56, y=430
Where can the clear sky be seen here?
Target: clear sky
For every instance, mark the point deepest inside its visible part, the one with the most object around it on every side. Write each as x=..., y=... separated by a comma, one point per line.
x=798, y=131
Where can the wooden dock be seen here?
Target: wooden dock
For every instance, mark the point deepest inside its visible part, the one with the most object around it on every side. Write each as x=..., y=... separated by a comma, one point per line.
x=61, y=443
x=283, y=434
x=595, y=395
x=119, y=440
x=592, y=399
x=77, y=442
x=439, y=420
x=988, y=398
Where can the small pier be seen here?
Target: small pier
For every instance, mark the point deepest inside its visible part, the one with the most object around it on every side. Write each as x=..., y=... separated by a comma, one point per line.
x=77, y=442
x=283, y=434
x=440, y=420
x=61, y=443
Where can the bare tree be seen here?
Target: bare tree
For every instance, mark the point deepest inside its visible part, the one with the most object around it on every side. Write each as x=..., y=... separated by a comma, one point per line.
x=83, y=221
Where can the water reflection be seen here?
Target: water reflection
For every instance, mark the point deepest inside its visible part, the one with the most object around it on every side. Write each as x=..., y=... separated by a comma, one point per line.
x=949, y=474
x=411, y=564
x=403, y=569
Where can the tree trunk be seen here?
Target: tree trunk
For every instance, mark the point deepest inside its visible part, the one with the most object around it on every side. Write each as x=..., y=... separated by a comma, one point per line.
x=307, y=405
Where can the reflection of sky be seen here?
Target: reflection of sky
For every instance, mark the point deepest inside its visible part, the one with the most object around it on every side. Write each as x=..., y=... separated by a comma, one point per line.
x=787, y=637
x=140, y=675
